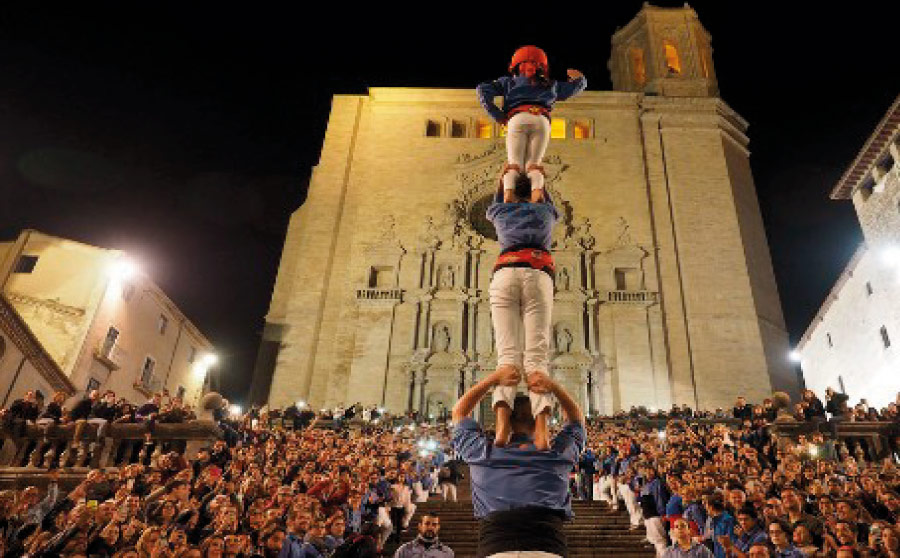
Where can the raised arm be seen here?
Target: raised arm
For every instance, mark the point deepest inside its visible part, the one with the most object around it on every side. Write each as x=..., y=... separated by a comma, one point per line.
x=503, y=376
x=567, y=89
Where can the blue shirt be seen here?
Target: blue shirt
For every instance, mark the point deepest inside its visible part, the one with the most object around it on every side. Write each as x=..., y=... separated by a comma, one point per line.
x=520, y=90
x=521, y=225
x=720, y=525
x=518, y=475
x=675, y=505
x=746, y=540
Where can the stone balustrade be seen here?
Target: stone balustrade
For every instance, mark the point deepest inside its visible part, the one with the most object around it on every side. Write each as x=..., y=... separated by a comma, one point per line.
x=38, y=448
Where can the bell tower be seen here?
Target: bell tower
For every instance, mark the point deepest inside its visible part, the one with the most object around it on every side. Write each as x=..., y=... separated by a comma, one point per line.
x=664, y=51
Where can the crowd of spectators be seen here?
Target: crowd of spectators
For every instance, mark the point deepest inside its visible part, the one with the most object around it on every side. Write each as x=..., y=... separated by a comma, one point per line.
x=264, y=491
x=732, y=489
x=280, y=485
x=809, y=408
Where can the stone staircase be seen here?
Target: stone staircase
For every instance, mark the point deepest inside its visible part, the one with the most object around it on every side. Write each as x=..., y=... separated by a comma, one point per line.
x=596, y=531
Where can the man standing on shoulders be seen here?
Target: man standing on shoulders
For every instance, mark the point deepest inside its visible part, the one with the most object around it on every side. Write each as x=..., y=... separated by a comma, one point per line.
x=426, y=545
x=684, y=546
x=520, y=494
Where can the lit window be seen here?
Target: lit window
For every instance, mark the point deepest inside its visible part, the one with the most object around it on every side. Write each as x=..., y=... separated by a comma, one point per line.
x=162, y=324
x=433, y=129
x=484, y=129
x=25, y=264
x=503, y=130
x=581, y=129
x=558, y=128
x=457, y=129
x=637, y=66
x=885, y=340
x=673, y=64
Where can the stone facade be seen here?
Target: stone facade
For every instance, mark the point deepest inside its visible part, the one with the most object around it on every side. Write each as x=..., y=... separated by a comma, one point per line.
x=851, y=344
x=102, y=330
x=665, y=291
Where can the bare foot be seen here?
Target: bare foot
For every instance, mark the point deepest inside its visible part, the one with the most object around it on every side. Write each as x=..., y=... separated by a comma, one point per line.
x=537, y=195
x=542, y=430
x=509, y=196
x=503, y=426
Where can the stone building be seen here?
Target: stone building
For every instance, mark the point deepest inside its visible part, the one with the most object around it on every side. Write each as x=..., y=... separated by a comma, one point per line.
x=852, y=343
x=103, y=327
x=665, y=291
x=24, y=364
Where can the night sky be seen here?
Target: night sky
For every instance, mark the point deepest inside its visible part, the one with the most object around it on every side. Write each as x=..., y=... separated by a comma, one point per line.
x=185, y=136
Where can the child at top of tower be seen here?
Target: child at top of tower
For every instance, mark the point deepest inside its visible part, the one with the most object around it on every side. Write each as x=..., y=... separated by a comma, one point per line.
x=528, y=97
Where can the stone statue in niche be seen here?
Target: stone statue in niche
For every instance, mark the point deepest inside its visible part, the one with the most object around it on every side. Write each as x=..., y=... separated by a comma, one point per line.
x=442, y=339
x=447, y=277
x=562, y=280
x=563, y=340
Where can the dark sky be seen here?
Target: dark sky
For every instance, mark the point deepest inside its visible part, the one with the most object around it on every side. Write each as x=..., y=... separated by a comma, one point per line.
x=185, y=135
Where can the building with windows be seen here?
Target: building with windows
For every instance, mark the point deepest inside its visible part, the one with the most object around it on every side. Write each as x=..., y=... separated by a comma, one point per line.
x=664, y=288
x=102, y=323
x=852, y=343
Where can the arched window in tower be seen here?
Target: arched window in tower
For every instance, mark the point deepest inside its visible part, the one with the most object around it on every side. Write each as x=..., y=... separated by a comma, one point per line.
x=638, y=69
x=673, y=63
x=705, y=61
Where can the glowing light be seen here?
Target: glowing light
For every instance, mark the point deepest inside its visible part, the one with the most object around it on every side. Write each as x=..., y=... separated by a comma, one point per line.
x=661, y=434
x=123, y=269
x=210, y=359
x=795, y=356
x=301, y=404
x=423, y=453
x=431, y=445
x=890, y=255
x=235, y=410
x=813, y=451
x=421, y=443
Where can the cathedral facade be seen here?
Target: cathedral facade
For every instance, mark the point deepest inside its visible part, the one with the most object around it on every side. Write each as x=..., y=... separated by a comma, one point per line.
x=664, y=290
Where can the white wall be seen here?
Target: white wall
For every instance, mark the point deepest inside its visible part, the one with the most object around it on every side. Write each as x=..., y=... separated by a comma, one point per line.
x=853, y=320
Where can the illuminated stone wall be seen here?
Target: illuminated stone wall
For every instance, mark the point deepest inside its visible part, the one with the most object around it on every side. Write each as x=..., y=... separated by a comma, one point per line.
x=665, y=291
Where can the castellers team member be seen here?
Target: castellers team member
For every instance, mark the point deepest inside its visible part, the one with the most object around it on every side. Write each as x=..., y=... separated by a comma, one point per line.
x=528, y=97
x=521, y=295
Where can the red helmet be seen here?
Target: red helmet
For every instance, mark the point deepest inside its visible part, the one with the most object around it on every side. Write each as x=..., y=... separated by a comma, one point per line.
x=530, y=53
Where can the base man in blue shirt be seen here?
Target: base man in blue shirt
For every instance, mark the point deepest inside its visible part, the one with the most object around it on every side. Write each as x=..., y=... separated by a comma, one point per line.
x=520, y=494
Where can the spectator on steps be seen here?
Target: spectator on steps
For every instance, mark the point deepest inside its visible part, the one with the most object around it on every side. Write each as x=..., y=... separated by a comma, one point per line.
x=426, y=544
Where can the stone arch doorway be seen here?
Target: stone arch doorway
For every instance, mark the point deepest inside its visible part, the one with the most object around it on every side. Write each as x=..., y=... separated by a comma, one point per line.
x=438, y=405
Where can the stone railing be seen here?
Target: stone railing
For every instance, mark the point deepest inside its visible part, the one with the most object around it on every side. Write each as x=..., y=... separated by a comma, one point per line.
x=379, y=294
x=629, y=297
x=36, y=448
x=878, y=436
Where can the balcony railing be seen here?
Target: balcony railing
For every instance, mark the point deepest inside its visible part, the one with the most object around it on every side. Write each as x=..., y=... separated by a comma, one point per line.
x=379, y=294
x=36, y=449
x=630, y=297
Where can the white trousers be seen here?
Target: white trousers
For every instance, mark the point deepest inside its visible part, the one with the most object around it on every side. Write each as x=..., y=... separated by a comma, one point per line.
x=631, y=504
x=656, y=534
x=607, y=491
x=384, y=525
x=521, y=308
x=448, y=490
x=527, y=136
